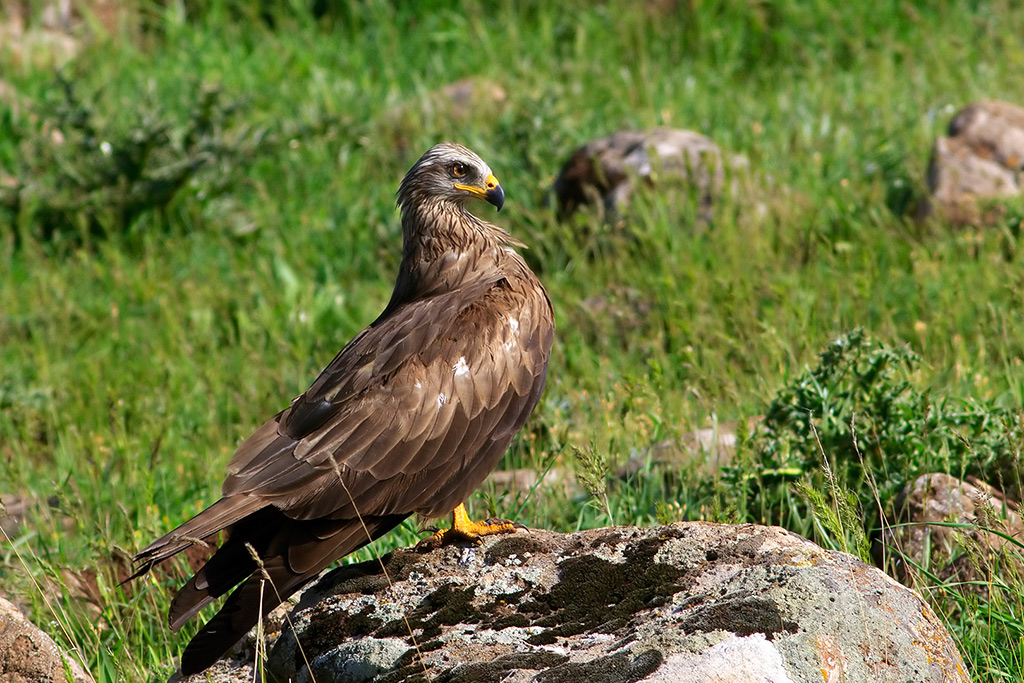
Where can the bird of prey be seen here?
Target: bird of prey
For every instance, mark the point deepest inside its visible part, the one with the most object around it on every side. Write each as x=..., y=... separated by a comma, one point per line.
x=409, y=417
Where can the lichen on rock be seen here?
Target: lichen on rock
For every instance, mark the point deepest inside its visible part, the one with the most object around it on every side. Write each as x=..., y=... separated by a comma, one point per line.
x=683, y=603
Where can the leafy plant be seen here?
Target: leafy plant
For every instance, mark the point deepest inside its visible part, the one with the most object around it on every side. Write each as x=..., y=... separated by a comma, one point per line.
x=84, y=172
x=858, y=417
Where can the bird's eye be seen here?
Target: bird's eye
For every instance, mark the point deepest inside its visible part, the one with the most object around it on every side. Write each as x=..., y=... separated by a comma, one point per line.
x=458, y=170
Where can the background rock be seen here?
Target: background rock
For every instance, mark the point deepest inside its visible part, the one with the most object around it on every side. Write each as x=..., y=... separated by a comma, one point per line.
x=13, y=509
x=452, y=105
x=605, y=172
x=52, y=32
x=703, y=451
x=523, y=482
x=966, y=554
x=982, y=158
x=686, y=602
x=27, y=655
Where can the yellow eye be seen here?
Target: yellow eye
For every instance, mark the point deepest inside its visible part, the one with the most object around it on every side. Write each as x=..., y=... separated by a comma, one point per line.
x=458, y=170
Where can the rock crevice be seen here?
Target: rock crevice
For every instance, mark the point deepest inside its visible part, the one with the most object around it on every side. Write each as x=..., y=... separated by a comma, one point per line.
x=683, y=602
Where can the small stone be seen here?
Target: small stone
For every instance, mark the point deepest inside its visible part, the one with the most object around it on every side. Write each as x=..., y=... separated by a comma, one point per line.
x=966, y=555
x=606, y=172
x=979, y=162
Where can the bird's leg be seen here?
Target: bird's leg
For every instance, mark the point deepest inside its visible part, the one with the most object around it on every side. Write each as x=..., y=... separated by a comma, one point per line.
x=465, y=529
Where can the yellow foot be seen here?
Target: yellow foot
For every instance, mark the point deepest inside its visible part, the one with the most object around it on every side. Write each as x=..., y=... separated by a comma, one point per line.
x=464, y=529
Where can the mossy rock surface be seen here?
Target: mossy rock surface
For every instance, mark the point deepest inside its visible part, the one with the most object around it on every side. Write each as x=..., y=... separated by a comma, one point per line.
x=685, y=602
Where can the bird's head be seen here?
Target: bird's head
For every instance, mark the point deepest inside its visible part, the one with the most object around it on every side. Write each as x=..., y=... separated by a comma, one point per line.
x=449, y=172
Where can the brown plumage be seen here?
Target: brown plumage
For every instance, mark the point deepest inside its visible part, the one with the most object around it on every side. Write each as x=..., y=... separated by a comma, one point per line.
x=409, y=418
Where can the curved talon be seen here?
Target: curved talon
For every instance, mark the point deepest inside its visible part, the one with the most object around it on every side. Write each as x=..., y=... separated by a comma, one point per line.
x=429, y=543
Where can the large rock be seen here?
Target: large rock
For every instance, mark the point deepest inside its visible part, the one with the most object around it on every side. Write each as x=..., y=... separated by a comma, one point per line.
x=48, y=33
x=686, y=602
x=981, y=159
x=607, y=171
x=227, y=670
x=27, y=655
x=970, y=554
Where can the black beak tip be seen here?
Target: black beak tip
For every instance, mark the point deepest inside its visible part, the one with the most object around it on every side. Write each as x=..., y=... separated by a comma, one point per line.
x=496, y=196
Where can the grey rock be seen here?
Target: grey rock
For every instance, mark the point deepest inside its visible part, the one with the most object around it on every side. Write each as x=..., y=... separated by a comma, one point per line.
x=27, y=655
x=968, y=554
x=687, y=602
x=228, y=670
x=357, y=661
x=607, y=171
x=239, y=665
x=981, y=159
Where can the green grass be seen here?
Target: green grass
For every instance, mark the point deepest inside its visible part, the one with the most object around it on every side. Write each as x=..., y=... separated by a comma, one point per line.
x=134, y=356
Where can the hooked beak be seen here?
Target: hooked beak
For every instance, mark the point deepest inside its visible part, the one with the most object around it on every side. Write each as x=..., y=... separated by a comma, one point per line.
x=492, y=194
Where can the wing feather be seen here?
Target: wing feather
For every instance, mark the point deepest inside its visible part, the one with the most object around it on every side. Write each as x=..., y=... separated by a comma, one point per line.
x=463, y=389
x=424, y=416
x=443, y=375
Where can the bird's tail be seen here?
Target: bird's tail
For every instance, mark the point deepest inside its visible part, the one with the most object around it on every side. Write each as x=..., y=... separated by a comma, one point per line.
x=302, y=553
x=217, y=517
x=262, y=592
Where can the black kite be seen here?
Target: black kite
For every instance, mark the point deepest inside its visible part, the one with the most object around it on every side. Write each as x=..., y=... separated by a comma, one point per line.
x=409, y=418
